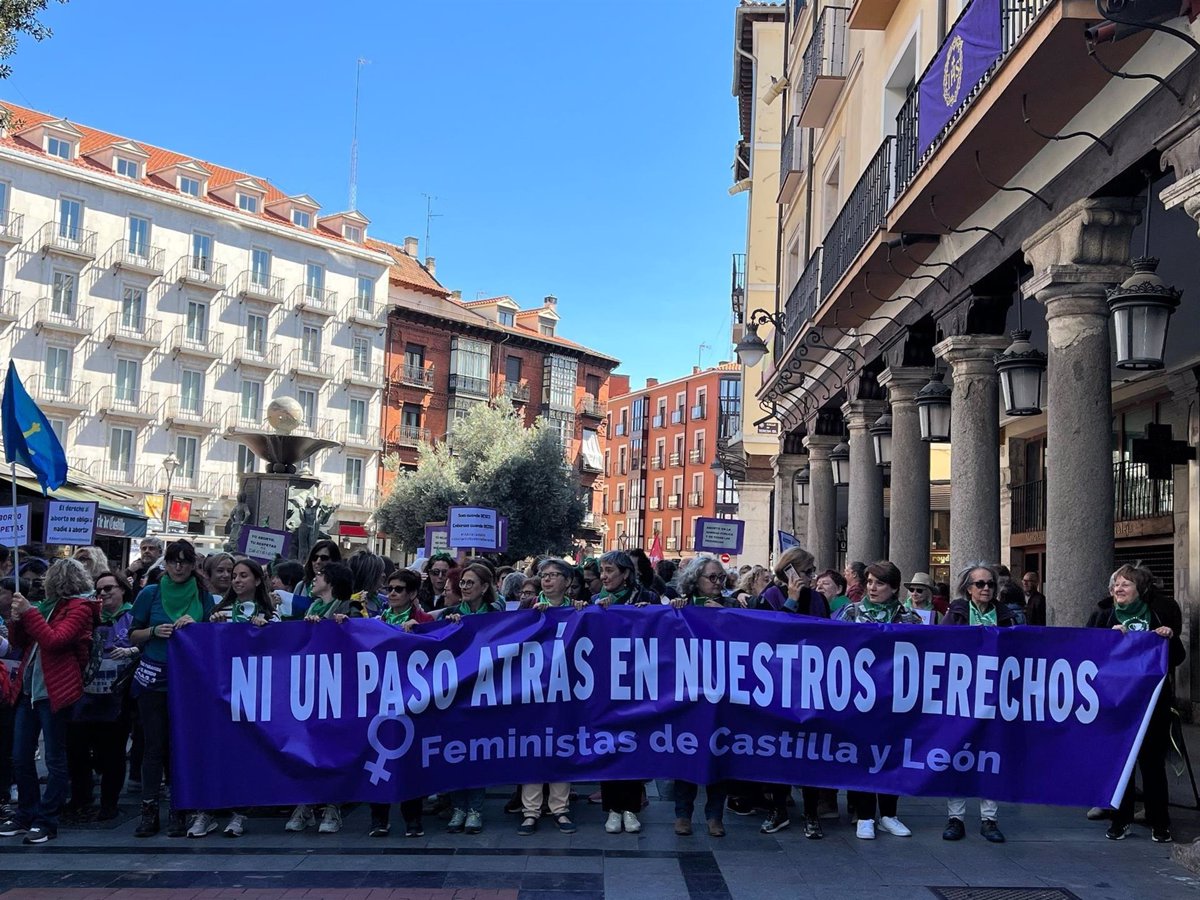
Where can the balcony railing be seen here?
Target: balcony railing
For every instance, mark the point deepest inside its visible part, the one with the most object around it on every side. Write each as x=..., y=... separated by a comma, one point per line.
x=658, y=462
x=516, y=391
x=318, y=428
x=199, y=343
x=10, y=305
x=134, y=331
x=11, y=226
x=145, y=476
x=677, y=416
x=824, y=67
x=138, y=256
x=737, y=291
x=468, y=384
x=696, y=498
x=310, y=363
x=199, y=271
x=312, y=299
x=125, y=403
x=691, y=542
x=60, y=393
x=408, y=435
x=671, y=542
x=802, y=302
x=71, y=318
x=202, y=416
x=240, y=419
x=656, y=502
x=351, y=499
x=659, y=421
x=263, y=355
x=620, y=429
x=1016, y=18
x=1138, y=496
x=674, y=501
x=258, y=286
x=699, y=411
x=676, y=460
x=696, y=456
x=364, y=311
x=792, y=160
x=618, y=506
x=863, y=215
x=417, y=376
x=592, y=408
x=353, y=372
x=360, y=435
x=62, y=237
x=1028, y=506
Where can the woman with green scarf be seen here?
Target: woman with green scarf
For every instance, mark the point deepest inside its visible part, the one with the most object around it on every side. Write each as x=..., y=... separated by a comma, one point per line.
x=1136, y=605
x=880, y=605
x=180, y=598
x=976, y=603
x=100, y=722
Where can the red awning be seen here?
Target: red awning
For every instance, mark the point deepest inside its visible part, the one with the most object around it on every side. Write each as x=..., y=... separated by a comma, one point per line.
x=351, y=529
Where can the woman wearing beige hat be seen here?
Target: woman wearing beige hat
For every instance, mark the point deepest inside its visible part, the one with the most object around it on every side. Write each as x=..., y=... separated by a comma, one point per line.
x=920, y=597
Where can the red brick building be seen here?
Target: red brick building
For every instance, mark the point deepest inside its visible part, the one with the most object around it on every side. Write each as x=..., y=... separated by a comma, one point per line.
x=661, y=459
x=444, y=356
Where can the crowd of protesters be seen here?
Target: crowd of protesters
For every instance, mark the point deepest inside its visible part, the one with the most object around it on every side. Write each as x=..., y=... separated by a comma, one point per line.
x=85, y=649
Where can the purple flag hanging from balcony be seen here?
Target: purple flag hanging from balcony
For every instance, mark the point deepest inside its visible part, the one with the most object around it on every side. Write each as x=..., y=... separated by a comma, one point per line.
x=970, y=49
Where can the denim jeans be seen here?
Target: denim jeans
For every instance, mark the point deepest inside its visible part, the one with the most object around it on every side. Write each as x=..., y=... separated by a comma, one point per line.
x=33, y=806
x=714, y=799
x=470, y=799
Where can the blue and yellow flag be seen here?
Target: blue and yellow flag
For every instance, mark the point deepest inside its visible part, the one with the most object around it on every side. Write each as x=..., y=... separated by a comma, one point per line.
x=28, y=437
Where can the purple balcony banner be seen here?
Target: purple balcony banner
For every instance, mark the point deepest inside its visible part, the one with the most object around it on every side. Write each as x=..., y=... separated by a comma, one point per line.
x=297, y=712
x=969, y=50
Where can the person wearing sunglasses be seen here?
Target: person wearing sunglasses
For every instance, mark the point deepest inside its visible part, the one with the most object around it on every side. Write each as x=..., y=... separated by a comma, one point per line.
x=976, y=603
x=791, y=591
x=322, y=553
x=433, y=588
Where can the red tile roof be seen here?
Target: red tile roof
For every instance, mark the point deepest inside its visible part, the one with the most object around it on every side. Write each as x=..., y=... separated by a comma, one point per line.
x=407, y=271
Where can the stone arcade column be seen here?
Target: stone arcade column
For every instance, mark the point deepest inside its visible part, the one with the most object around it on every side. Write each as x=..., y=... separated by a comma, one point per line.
x=864, y=519
x=788, y=516
x=908, y=546
x=975, y=442
x=822, y=500
x=1075, y=258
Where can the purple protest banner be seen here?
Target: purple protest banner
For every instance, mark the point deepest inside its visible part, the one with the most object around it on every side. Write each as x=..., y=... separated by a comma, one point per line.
x=970, y=49
x=362, y=711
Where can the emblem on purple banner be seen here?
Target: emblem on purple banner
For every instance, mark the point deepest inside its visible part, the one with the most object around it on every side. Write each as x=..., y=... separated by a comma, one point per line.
x=969, y=51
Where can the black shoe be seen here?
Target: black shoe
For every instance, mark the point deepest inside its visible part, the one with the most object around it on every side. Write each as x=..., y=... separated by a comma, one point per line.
x=39, y=835
x=955, y=830
x=528, y=826
x=12, y=828
x=812, y=829
x=777, y=820
x=991, y=832
x=1161, y=835
x=414, y=829
x=148, y=826
x=176, y=824
x=740, y=806
x=514, y=804
x=379, y=829
x=1117, y=832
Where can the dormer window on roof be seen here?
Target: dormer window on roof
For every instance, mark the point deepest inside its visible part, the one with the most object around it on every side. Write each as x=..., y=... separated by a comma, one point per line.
x=506, y=317
x=189, y=185
x=350, y=225
x=121, y=157
x=56, y=146
x=247, y=202
x=302, y=218
x=352, y=233
x=57, y=137
x=128, y=168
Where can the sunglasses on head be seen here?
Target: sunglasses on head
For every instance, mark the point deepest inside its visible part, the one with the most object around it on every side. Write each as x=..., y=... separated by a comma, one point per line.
x=984, y=584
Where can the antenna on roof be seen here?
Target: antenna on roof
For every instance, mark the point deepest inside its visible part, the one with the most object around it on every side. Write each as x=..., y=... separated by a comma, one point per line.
x=354, y=140
x=700, y=353
x=429, y=216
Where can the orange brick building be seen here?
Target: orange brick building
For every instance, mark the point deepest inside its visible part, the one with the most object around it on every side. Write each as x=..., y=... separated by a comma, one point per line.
x=443, y=356
x=661, y=459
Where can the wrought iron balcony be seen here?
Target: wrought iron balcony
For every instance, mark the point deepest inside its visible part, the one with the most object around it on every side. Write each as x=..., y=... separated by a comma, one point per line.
x=699, y=412
x=11, y=226
x=824, y=67
x=247, y=421
x=696, y=456
x=355, y=373
x=358, y=435
x=196, y=343
x=261, y=356
x=1137, y=495
x=676, y=460
x=138, y=256
x=145, y=477
x=468, y=384
x=592, y=408
x=802, y=302
x=737, y=290
x=184, y=415
x=307, y=298
x=516, y=391
x=10, y=306
x=360, y=310
x=696, y=499
x=362, y=499
x=258, y=286
x=68, y=240
x=199, y=271
x=125, y=404
x=310, y=364
x=863, y=214
x=131, y=331
x=417, y=376
x=677, y=416
x=318, y=428
x=408, y=435
x=660, y=421
x=792, y=161
x=674, y=501
x=60, y=394
x=72, y=318
x=658, y=462
x=656, y=502
x=1028, y=506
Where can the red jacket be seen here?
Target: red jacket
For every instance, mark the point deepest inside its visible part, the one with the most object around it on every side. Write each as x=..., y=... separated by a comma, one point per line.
x=65, y=642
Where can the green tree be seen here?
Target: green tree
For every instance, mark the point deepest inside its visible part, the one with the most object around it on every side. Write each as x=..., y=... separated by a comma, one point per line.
x=498, y=463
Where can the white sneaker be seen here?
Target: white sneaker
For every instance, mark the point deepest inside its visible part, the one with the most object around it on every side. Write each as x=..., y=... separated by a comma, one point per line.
x=202, y=825
x=865, y=829
x=302, y=817
x=892, y=825
x=632, y=825
x=236, y=826
x=613, y=825
x=331, y=822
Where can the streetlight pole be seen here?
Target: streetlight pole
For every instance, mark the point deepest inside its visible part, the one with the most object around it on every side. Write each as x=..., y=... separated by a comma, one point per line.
x=169, y=464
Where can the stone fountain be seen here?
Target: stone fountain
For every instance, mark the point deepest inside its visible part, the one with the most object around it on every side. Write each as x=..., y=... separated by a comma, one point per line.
x=263, y=497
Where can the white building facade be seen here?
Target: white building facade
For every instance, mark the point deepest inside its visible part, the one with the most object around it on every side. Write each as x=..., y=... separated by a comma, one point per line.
x=156, y=304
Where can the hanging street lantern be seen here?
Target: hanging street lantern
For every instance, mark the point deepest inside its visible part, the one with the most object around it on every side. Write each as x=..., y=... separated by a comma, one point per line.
x=801, y=486
x=1022, y=369
x=933, y=409
x=839, y=456
x=881, y=437
x=1141, y=308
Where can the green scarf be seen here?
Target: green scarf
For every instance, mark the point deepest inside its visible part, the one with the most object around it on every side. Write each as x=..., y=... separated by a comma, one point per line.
x=1135, y=616
x=179, y=600
x=397, y=618
x=618, y=596
x=46, y=607
x=465, y=610
x=880, y=613
x=318, y=608
x=542, y=598
x=982, y=618
x=700, y=601
x=107, y=618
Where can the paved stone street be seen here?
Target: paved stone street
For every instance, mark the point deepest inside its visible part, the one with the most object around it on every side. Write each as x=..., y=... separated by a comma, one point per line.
x=1048, y=848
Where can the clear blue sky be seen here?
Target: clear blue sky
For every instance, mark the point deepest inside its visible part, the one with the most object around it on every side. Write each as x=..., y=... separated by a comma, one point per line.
x=575, y=148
